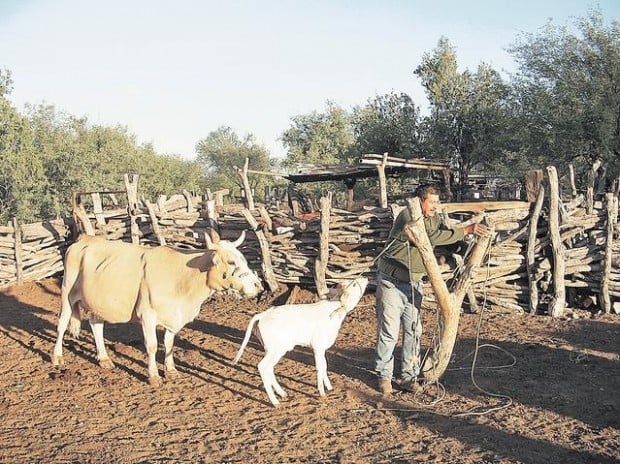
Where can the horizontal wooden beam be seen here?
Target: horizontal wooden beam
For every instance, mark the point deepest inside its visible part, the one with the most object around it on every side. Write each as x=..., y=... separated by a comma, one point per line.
x=480, y=206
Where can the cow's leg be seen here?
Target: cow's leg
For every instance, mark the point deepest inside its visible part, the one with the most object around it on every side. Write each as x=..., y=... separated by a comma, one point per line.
x=149, y=330
x=321, y=371
x=171, y=370
x=63, y=323
x=266, y=370
x=96, y=325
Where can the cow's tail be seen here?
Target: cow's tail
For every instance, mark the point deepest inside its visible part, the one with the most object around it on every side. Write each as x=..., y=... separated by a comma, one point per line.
x=246, y=339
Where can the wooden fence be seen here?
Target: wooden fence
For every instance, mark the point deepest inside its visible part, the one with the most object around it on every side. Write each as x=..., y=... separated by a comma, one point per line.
x=546, y=255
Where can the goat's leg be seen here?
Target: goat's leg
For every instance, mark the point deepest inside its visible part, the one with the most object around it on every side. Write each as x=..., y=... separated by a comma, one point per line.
x=276, y=386
x=266, y=370
x=321, y=372
x=96, y=325
x=171, y=370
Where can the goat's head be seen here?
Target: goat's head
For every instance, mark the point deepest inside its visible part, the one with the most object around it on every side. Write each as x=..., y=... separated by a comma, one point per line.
x=352, y=293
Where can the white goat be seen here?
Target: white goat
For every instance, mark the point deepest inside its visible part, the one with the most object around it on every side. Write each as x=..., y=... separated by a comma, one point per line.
x=315, y=325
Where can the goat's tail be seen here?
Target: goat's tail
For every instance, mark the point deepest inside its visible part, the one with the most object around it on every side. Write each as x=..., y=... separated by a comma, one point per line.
x=246, y=339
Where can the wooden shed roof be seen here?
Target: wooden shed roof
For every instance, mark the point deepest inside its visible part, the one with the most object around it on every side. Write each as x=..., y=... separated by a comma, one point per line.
x=365, y=167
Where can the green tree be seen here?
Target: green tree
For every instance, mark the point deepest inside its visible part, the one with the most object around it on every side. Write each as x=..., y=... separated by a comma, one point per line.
x=22, y=179
x=387, y=124
x=222, y=151
x=469, y=112
x=319, y=138
x=567, y=91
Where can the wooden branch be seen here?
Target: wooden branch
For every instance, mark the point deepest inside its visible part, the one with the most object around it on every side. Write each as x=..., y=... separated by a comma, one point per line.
x=320, y=264
x=243, y=173
x=19, y=269
x=531, y=250
x=611, y=201
x=449, y=303
x=383, y=200
x=481, y=206
x=266, y=264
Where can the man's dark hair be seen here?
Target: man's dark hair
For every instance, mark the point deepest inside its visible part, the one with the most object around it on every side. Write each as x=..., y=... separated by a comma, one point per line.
x=424, y=190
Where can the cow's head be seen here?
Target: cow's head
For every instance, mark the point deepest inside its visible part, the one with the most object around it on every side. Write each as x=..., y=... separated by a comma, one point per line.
x=230, y=269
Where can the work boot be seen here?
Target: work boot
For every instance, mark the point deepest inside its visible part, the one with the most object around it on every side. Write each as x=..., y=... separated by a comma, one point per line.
x=411, y=386
x=385, y=386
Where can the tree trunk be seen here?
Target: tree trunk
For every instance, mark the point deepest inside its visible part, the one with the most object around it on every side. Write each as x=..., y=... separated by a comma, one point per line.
x=449, y=303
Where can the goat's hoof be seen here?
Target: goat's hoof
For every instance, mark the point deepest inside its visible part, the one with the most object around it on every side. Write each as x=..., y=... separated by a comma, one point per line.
x=155, y=381
x=172, y=374
x=58, y=361
x=106, y=363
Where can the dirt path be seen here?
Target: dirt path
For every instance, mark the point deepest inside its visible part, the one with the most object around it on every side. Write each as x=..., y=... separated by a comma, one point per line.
x=564, y=391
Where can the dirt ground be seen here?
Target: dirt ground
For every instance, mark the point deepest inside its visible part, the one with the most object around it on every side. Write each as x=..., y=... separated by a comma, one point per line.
x=558, y=404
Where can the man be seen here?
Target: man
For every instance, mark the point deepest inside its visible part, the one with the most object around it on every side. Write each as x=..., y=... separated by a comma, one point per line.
x=399, y=290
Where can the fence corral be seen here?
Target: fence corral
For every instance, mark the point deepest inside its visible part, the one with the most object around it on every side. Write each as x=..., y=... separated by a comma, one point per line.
x=535, y=242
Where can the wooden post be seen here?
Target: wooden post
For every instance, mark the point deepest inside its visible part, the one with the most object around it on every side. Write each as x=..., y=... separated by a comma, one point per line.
x=19, y=265
x=98, y=209
x=533, y=181
x=263, y=244
x=320, y=264
x=611, y=202
x=189, y=200
x=556, y=306
x=383, y=201
x=571, y=172
x=447, y=180
x=131, y=186
x=530, y=263
x=80, y=217
x=449, y=303
x=219, y=197
x=243, y=173
x=590, y=188
x=350, y=183
x=155, y=223
x=213, y=227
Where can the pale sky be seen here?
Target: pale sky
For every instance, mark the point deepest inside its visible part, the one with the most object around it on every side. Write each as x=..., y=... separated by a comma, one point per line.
x=173, y=71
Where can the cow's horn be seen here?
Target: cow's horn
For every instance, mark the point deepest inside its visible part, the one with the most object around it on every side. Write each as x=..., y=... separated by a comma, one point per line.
x=240, y=240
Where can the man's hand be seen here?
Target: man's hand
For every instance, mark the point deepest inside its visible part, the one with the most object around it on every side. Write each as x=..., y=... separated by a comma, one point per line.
x=477, y=229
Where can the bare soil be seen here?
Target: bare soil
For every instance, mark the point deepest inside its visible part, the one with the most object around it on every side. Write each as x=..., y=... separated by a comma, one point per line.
x=558, y=403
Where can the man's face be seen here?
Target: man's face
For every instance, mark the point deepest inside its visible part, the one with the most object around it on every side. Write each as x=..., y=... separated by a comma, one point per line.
x=430, y=205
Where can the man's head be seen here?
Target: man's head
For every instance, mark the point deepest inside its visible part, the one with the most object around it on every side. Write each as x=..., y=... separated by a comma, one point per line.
x=429, y=199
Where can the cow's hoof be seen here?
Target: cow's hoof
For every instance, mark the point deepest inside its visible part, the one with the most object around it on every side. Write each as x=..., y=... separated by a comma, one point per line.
x=106, y=363
x=155, y=381
x=58, y=361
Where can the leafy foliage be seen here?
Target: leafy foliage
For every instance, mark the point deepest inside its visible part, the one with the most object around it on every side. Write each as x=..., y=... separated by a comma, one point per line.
x=568, y=93
x=469, y=111
x=223, y=152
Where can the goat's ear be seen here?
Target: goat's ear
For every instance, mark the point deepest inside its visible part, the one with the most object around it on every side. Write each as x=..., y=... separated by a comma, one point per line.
x=240, y=240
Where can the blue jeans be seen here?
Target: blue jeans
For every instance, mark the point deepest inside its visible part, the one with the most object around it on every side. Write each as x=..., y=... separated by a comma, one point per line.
x=398, y=302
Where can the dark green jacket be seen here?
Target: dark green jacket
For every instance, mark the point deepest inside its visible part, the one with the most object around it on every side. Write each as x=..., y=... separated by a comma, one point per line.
x=404, y=262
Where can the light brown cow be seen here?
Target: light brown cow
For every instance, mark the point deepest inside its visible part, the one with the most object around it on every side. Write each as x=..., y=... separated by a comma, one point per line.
x=119, y=282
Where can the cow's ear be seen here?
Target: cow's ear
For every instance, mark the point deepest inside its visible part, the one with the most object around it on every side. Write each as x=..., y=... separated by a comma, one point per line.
x=240, y=240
